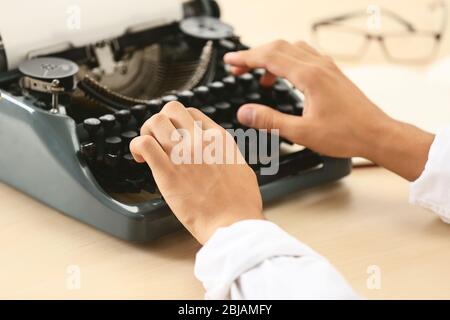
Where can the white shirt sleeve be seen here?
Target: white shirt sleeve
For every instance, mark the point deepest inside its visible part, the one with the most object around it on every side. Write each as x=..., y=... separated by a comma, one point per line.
x=255, y=259
x=432, y=189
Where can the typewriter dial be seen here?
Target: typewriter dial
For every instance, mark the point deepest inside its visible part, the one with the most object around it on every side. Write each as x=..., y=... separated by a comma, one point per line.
x=49, y=69
x=206, y=28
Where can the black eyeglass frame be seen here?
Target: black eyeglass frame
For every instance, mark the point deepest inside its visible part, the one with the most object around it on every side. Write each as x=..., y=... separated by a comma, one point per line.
x=380, y=37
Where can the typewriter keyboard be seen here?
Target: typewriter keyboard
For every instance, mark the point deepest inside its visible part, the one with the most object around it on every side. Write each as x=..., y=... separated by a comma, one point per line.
x=104, y=141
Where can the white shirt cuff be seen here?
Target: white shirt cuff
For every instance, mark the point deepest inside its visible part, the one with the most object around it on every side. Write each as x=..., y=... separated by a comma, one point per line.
x=234, y=250
x=432, y=189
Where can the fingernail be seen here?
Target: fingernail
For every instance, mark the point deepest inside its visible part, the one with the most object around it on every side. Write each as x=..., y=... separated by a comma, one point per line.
x=246, y=115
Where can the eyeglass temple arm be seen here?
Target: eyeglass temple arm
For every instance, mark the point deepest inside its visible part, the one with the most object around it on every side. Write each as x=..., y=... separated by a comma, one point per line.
x=351, y=15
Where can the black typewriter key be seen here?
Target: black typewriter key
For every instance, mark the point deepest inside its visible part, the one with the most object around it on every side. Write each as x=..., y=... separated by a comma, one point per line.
x=258, y=74
x=126, y=137
x=112, y=160
x=113, y=145
x=230, y=84
x=286, y=108
x=133, y=174
x=89, y=150
x=236, y=103
x=298, y=109
x=92, y=125
x=123, y=117
x=226, y=125
x=108, y=122
x=224, y=110
x=253, y=97
x=139, y=111
x=281, y=92
x=217, y=89
x=186, y=97
x=246, y=81
x=155, y=105
x=169, y=98
x=209, y=111
x=202, y=94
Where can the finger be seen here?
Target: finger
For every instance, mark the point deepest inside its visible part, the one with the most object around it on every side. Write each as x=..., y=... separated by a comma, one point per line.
x=178, y=115
x=206, y=122
x=263, y=117
x=147, y=149
x=162, y=129
x=268, y=79
x=237, y=71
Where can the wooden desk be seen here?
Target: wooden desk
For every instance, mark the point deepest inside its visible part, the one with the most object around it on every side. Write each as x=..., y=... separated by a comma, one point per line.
x=362, y=221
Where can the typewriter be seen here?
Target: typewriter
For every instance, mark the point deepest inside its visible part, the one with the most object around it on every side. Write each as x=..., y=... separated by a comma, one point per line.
x=79, y=82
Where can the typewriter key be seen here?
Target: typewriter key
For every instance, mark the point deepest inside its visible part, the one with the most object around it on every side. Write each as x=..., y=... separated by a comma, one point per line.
x=224, y=110
x=123, y=116
x=246, y=81
x=126, y=137
x=230, y=84
x=209, y=111
x=92, y=125
x=108, y=122
x=139, y=111
x=169, y=98
x=88, y=150
x=186, y=97
x=217, y=89
x=155, y=105
x=113, y=145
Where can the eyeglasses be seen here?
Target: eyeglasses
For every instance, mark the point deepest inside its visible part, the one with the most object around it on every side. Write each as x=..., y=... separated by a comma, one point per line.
x=407, y=45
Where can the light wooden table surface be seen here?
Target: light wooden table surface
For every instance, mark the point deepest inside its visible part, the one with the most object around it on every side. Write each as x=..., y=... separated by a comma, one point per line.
x=364, y=220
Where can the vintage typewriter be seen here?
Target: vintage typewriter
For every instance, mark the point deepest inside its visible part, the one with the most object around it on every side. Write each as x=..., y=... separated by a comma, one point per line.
x=77, y=84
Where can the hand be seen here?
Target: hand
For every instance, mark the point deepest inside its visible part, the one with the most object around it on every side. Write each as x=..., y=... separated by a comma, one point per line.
x=203, y=196
x=338, y=120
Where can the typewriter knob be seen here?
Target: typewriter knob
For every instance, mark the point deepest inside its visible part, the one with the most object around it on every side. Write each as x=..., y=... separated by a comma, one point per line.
x=123, y=116
x=139, y=111
x=113, y=145
x=206, y=28
x=108, y=122
x=186, y=97
x=92, y=125
x=202, y=94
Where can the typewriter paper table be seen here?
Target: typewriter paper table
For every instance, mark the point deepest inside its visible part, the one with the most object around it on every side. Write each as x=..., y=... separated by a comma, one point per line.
x=42, y=251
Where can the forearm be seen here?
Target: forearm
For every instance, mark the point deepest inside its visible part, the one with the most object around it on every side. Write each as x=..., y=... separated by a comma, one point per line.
x=398, y=147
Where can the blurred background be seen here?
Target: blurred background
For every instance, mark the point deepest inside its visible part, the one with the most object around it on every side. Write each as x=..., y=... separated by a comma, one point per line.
x=259, y=21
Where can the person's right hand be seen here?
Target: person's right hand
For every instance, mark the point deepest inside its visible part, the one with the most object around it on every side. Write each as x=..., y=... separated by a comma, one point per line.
x=338, y=120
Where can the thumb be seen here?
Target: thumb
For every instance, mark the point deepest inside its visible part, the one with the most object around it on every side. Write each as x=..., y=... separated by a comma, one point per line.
x=262, y=117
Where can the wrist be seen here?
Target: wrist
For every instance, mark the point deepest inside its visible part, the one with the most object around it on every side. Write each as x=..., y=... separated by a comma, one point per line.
x=207, y=231
x=398, y=147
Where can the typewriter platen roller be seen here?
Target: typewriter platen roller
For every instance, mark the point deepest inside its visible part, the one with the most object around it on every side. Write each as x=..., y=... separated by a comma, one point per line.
x=73, y=98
